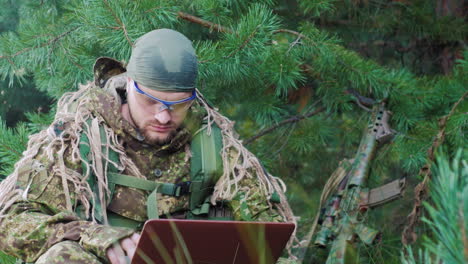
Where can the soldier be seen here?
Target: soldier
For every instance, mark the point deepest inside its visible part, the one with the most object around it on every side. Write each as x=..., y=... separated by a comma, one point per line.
x=80, y=193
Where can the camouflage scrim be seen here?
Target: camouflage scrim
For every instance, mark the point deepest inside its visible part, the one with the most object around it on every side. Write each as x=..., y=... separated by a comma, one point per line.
x=42, y=229
x=164, y=60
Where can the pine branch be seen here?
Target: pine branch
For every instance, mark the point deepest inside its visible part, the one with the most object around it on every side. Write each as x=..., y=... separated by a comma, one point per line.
x=117, y=19
x=299, y=35
x=10, y=61
x=12, y=144
x=203, y=22
x=51, y=41
x=421, y=190
x=246, y=41
x=5, y=146
x=290, y=32
x=152, y=9
x=292, y=119
x=219, y=28
x=70, y=58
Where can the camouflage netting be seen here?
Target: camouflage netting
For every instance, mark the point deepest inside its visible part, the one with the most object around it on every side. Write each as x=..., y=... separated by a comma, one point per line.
x=244, y=164
x=74, y=111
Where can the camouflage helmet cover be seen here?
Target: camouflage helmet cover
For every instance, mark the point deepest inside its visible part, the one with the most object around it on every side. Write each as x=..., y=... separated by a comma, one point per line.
x=164, y=60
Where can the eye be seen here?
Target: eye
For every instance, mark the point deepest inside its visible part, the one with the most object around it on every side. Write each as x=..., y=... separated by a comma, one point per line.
x=150, y=101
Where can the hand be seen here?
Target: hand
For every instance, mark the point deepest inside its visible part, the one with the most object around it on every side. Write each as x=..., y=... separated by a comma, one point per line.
x=119, y=253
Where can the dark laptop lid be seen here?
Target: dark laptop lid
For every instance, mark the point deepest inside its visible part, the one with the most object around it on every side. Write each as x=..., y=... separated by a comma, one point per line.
x=211, y=242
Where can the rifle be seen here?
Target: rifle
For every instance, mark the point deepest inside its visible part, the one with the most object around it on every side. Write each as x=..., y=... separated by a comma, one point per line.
x=342, y=220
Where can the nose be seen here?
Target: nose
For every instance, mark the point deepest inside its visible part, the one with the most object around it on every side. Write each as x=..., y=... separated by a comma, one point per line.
x=163, y=117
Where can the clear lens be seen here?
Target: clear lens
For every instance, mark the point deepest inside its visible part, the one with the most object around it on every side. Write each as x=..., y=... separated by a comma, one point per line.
x=180, y=108
x=156, y=107
x=175, y=109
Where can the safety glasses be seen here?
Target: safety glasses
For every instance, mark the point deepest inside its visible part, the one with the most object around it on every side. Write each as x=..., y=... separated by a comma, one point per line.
x=175, y=107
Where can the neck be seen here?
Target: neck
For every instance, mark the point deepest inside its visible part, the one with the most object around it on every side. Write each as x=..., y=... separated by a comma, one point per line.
x=125, y=111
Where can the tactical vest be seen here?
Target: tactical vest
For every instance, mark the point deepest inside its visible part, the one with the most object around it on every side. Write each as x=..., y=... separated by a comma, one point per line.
x=206, y=168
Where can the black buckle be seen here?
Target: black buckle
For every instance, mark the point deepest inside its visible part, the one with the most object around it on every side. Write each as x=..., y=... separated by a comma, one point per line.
x=182, y=188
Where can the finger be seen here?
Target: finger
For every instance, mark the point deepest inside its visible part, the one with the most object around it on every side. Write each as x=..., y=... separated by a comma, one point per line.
x=120, y=254
x=135, y=237
x=129, y=246
x=111, y=256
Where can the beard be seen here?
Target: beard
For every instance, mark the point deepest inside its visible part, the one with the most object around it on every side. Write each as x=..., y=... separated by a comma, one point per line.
x=152, y=137
x=155, y=138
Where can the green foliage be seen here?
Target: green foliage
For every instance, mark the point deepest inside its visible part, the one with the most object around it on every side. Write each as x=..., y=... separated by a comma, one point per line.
x=422, y=257
x=39, y=121
x=8, y=14
x=17, y=99
x=259, y=74
x=12, y=144
x=317, y=7
x=448, y=210
x=447, y=213
x=5, y=259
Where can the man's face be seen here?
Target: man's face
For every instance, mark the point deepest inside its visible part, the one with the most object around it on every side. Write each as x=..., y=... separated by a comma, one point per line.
x=157, y=125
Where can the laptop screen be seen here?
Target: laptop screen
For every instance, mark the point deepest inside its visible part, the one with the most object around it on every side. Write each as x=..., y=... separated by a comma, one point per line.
x=211, y=242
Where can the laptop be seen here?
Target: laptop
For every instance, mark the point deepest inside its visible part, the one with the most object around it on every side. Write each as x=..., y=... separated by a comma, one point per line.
x=211, y=242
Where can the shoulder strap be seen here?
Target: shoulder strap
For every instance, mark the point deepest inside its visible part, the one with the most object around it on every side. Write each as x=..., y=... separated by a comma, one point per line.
x=85, y=151
x=206, y=168
x=176, y=190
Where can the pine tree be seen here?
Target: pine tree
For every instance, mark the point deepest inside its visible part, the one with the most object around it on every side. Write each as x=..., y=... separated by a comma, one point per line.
x=286, y=71
x=23, y=96
x=446, y=215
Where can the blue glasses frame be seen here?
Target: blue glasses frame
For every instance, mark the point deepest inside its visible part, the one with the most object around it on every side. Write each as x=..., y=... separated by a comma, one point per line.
x=167, y=104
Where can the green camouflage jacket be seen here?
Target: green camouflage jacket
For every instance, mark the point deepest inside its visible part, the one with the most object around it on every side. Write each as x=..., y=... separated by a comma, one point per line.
x=34, y=226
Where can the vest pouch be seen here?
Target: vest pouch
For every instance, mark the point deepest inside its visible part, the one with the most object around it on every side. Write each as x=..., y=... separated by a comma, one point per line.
x=199, y=201
x=206, y=168
x=121, y=221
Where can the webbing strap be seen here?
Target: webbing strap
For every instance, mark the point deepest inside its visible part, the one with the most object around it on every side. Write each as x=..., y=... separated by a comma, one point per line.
x=203, y=209
x=85, y=151
x=118, y=220
x=155, y=188
x=206, y=168
x=152, y=204
x=133, y=182
x=161, y=187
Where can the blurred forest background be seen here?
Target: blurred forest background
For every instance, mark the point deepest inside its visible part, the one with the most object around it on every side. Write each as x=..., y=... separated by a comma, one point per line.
x=288, y=72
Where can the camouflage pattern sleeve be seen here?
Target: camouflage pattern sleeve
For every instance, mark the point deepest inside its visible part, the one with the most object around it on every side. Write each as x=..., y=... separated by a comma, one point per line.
x=28, y=232
x=31, y=227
